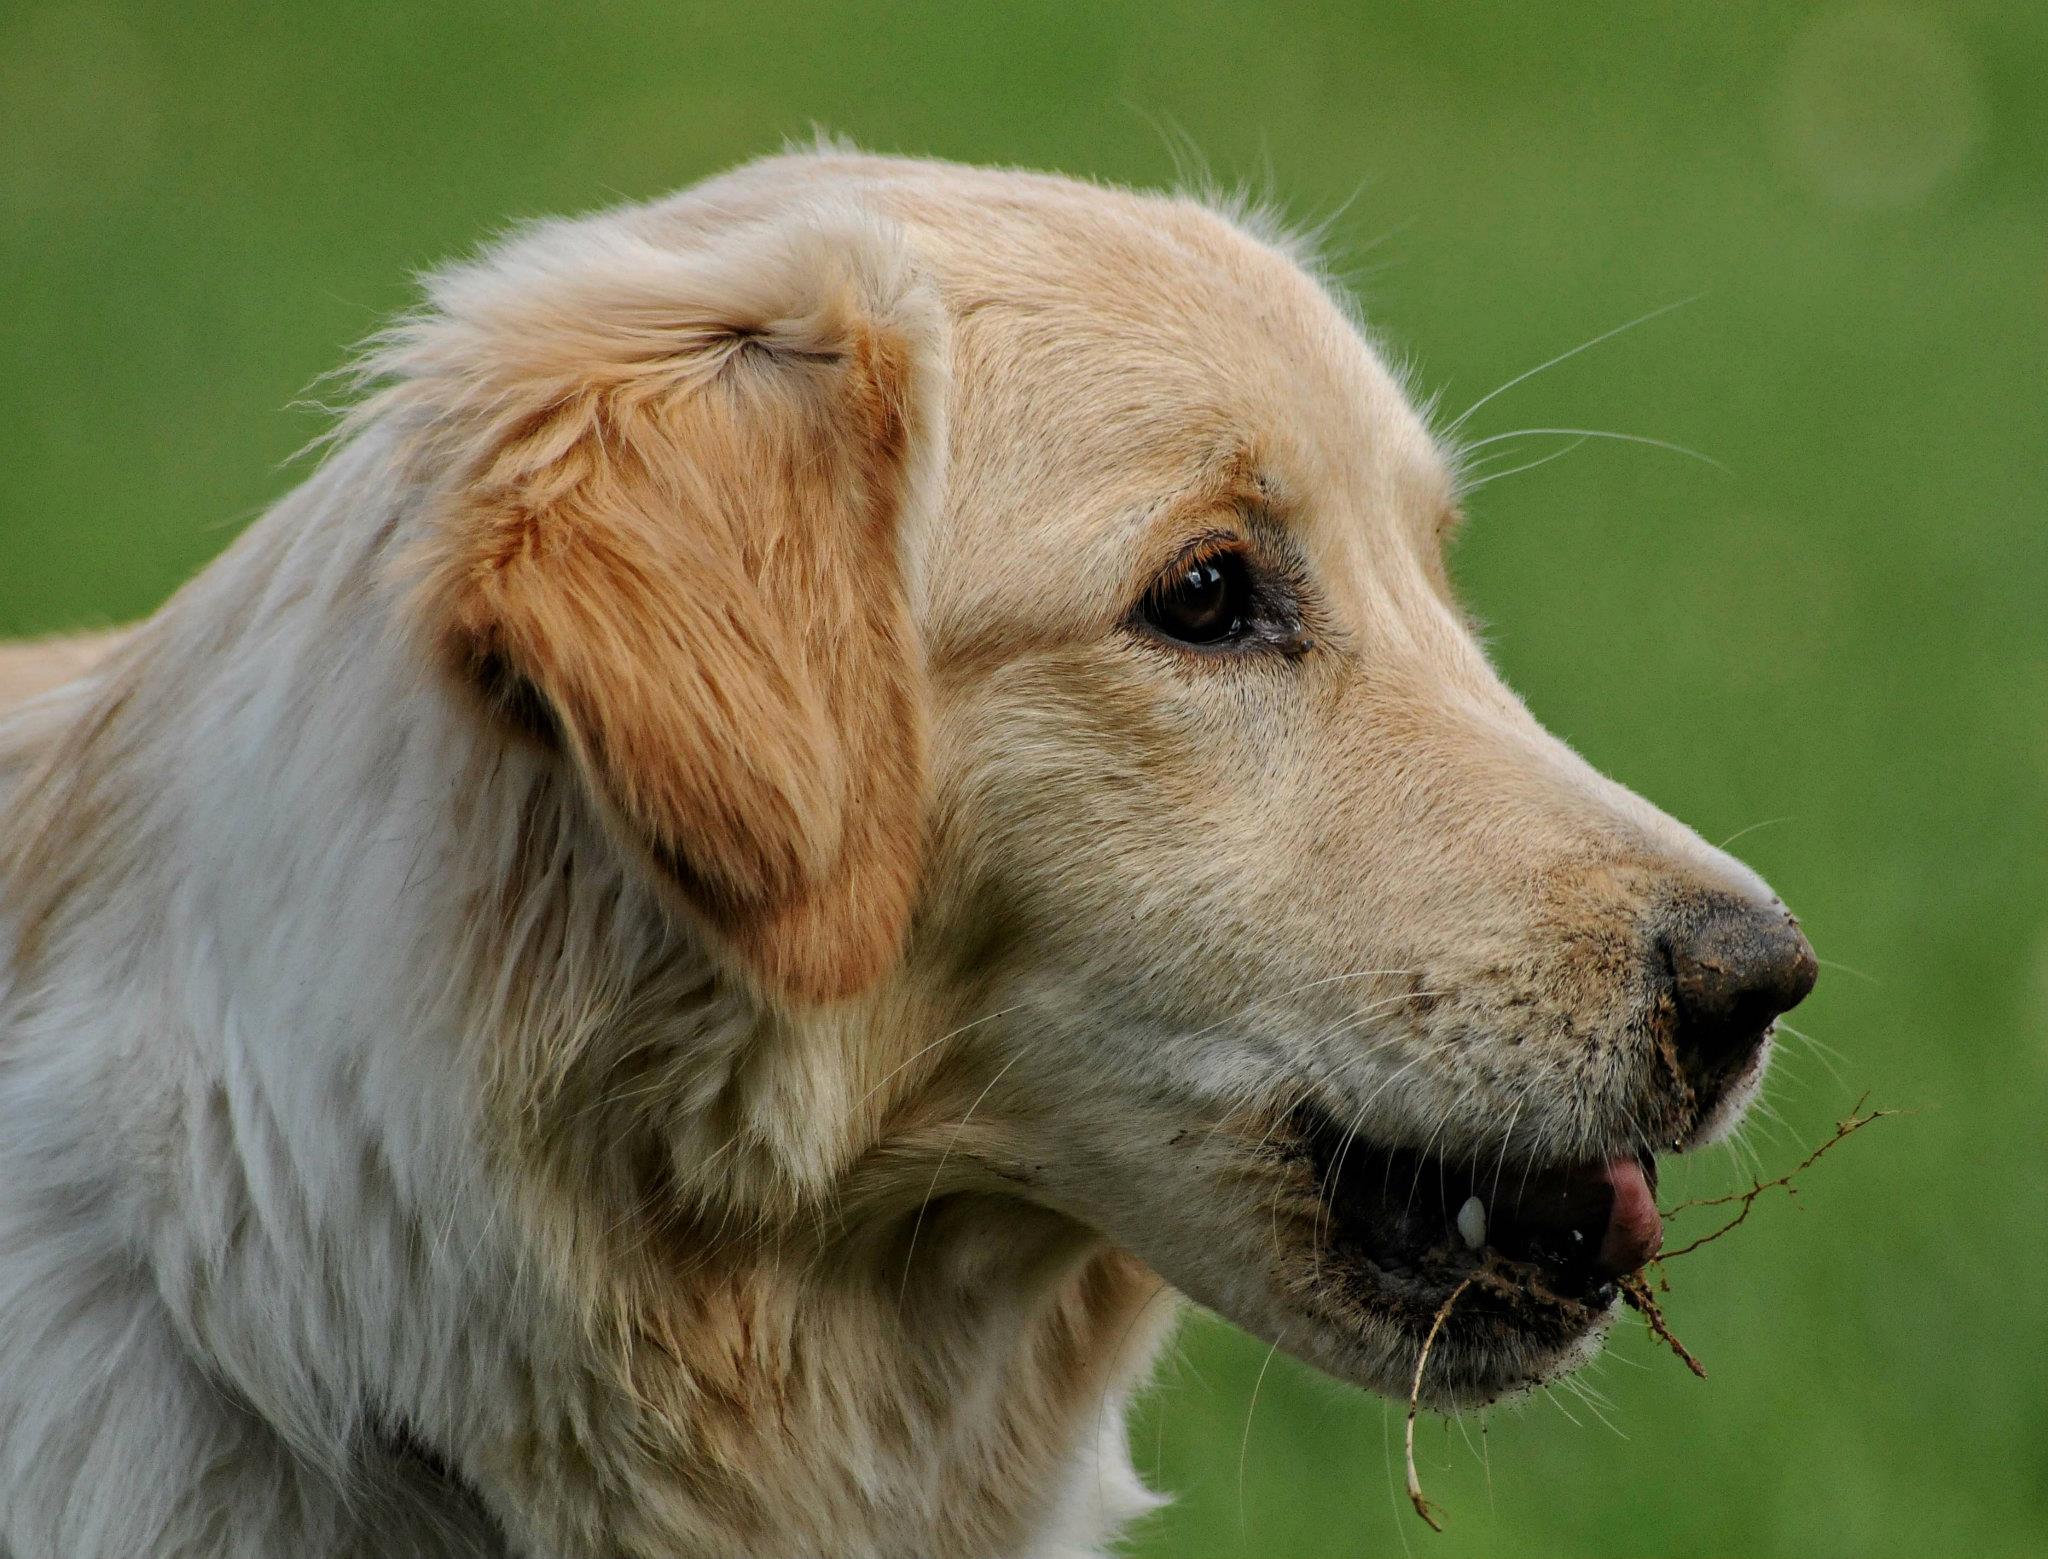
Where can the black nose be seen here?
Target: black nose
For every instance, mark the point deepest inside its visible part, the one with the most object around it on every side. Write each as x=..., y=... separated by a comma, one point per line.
x=1735, y=965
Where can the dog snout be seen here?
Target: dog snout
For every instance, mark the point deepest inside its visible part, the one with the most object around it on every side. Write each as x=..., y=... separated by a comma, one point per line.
x=1735, y=965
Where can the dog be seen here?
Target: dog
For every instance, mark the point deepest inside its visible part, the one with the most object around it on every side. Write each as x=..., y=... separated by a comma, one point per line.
x=841, y=787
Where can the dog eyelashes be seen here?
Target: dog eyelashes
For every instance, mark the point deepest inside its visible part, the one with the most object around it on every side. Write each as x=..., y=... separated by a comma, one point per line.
x=1213, y=598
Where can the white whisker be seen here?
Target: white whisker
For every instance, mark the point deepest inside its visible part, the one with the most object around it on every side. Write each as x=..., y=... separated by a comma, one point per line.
x=1550, y=1396
x=917, y=1224
x=1586, y=433
x=1245, y=1443
x=1853, y=973
x=1489, y=477
x=1769, y=822
x=1526, y=375
x=1826, y=1054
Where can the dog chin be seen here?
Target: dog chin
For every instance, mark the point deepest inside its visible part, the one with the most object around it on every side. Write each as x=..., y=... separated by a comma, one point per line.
x=1487, y=1357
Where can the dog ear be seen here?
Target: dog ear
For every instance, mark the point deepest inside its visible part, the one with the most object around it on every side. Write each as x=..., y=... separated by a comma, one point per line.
x=670, y=486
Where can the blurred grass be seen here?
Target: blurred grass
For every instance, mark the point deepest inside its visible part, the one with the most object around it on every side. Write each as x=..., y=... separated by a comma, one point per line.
x=1842, y=641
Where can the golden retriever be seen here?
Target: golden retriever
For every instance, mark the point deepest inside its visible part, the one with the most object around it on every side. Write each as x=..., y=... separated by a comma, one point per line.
x=841, y=785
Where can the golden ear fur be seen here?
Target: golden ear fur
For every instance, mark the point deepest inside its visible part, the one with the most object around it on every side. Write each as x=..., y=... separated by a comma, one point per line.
x=668, y=489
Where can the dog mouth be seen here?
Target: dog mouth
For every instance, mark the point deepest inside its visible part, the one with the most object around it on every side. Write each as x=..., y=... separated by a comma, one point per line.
x=1553, y=1241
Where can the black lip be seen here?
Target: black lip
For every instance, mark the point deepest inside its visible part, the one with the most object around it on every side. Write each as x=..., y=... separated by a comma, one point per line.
x=1397, y=1209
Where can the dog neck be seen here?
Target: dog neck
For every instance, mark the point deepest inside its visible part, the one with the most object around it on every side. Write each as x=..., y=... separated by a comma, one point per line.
x=420, y=1109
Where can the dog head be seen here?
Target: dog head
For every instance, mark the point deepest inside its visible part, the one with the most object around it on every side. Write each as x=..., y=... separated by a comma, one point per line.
x=1007, y=621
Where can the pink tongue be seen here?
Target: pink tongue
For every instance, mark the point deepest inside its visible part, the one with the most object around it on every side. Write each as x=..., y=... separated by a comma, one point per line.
x=1634, y=1231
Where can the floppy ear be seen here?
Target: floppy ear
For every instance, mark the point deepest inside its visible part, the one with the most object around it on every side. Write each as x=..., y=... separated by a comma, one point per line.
x=671, y=484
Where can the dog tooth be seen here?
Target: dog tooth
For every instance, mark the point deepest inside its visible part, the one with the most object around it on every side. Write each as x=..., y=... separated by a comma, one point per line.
x=1472, y=1223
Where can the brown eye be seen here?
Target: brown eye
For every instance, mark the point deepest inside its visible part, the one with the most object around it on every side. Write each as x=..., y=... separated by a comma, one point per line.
x=1206, y=600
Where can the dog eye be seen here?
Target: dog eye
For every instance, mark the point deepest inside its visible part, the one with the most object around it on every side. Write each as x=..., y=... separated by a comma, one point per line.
x=1205, y=600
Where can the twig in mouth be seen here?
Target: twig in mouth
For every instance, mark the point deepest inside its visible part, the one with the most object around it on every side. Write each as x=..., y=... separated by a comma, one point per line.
x=1423, y=1508
x=1644, y=1303
x=1844, y=1129
x=1635, y=1287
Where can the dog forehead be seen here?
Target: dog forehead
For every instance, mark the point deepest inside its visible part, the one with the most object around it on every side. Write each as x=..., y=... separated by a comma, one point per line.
x=1136, y=292
x=1117, y=354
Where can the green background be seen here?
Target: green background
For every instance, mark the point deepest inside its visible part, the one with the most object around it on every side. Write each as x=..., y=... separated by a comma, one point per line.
x=1839, y=644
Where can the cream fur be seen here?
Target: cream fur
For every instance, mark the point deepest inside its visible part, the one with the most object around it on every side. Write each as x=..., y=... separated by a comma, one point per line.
x=647, y=966
x=37, y=667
